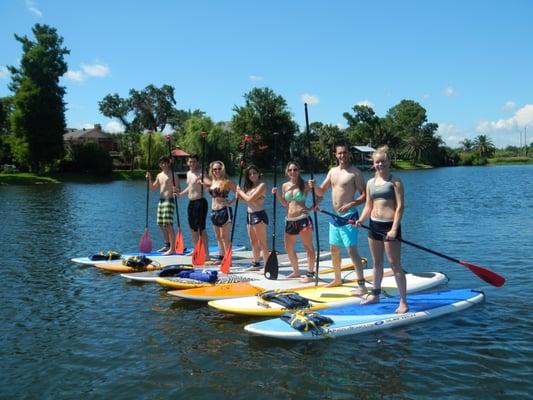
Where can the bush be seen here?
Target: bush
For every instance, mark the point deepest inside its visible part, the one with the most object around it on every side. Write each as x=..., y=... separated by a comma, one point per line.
x=89, y=158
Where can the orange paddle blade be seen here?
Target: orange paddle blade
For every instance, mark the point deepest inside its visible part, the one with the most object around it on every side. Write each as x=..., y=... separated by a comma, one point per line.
x=199, y=254
x=145, y=244
x=180, y=247
x=226, y=261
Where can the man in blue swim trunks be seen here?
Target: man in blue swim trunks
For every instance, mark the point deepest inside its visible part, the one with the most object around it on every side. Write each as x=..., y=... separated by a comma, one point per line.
x=345, y=181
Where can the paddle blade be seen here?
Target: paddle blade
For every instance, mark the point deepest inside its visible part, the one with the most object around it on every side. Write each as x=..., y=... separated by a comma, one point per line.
x=226, y=261
x=488, y=276
x=272, y=266
x=145, y=244
x=199, y=254
x=180, y=247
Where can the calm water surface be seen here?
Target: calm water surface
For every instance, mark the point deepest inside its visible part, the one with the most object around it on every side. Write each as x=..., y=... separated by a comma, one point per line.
x=73, y=332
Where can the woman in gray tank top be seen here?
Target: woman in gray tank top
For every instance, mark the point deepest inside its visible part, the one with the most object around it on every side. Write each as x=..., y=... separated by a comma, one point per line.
x=384, y=205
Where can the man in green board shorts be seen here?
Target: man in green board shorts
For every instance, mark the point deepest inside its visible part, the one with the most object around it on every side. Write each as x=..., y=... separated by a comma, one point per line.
x=345, y=181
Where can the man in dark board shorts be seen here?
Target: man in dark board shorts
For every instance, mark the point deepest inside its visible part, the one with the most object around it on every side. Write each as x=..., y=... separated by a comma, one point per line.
x=197, y=208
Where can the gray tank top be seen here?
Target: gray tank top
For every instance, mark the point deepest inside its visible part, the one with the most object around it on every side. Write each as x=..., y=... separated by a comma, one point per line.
x=384, y=192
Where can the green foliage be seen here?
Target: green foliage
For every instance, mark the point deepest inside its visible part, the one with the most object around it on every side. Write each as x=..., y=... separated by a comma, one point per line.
x=220, y=143
x=38, y=117
x=24, y=178
x=152, y=146
x=92, y=159
x=263, y=114
x=484, y=147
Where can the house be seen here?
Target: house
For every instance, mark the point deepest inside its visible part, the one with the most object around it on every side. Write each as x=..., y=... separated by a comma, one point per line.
x=362, y=156
x=179, y=157
x=73, y=137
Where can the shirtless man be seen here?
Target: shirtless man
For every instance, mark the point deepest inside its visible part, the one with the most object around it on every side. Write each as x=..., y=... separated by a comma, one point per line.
x=166, y=206
x=346, y=181
x=197, y=208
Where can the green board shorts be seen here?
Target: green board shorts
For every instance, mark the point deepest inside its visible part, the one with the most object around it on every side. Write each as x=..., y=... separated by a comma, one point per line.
x=165, y=212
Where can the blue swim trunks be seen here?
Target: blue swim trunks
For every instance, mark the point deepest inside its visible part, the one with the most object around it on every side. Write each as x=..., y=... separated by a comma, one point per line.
x=344, y=235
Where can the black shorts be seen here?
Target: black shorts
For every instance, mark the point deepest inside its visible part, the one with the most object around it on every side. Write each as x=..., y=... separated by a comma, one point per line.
x=379, y=230
x=257, y=217
x=221, y=217
x=299, y=225
x=197, y=214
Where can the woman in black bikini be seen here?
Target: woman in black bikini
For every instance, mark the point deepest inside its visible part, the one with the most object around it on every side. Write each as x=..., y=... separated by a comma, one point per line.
x=253, y=194
x=219, y=187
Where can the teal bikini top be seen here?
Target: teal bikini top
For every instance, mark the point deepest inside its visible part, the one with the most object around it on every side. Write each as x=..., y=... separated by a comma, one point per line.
x=295, y=196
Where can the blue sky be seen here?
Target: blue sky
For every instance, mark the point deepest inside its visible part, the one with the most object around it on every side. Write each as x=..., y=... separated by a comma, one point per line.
x=468, y=63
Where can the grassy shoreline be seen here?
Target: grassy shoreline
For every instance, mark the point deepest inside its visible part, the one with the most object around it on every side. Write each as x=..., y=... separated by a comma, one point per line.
x=26, y=178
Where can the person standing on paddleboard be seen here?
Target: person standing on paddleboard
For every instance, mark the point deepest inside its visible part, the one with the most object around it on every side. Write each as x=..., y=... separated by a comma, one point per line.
x=384, y=205
x=345, y=181
x=197, y=208
x=297, y=223
x=219, y=187
x=166, y=206
x=257, y=219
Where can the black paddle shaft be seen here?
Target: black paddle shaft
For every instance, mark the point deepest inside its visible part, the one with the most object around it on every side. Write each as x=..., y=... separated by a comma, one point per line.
x=274, y=201
x=240, y=181
x=308, y=134
x=173, y=183
x=147, y=181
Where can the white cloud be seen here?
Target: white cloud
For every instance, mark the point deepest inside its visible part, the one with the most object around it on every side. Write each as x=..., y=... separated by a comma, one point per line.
x=507, y=131
x=449, y=92
x=114, y=127
x=450, y=133
x=32, y=7
x=98, y=70
x=367, y=103
x=76, y=76
x=509, y=105
x=4, y=72
x=309, y=98
x=255, y=78
x=425, y=97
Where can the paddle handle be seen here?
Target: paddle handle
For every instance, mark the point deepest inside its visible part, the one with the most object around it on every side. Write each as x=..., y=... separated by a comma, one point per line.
x=317, y=237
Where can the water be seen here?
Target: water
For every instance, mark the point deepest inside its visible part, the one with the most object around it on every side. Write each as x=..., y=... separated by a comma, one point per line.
x=73, y=332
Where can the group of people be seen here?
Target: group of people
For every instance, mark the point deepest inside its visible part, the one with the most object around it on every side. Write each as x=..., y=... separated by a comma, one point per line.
x=382, y=196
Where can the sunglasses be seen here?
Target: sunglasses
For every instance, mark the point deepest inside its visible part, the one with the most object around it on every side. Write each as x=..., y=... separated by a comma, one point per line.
x=292, y=169
x=217, y=169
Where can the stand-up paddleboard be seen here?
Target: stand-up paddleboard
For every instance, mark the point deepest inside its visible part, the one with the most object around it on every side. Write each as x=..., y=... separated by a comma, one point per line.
x=213, y=251
x=357, y=319
x=238, y=266
x=239, y=257
x=226, y=291
x=321, y=298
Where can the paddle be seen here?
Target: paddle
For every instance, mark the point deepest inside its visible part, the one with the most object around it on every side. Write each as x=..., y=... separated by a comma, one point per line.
x=145, y=244
x=199, y=253
x=180, y=248
x=226, y=261
x=488, y=276
x=272, y=265
x=308, y=133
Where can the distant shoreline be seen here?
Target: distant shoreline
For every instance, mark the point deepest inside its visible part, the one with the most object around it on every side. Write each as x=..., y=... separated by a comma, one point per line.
x=26, y=178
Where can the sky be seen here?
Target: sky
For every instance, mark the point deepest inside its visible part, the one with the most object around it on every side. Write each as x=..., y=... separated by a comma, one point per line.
x=468, y=63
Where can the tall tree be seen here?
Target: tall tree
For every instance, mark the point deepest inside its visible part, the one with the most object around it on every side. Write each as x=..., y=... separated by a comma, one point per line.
x=38, y=118
x=6, y=107
x=264, y=113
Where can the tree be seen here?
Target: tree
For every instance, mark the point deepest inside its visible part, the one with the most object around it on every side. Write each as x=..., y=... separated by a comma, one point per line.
x=221, y=143
x=6, y=108
x=38, y=117
x=467, y=145
x=484, y=146
x=264, y=113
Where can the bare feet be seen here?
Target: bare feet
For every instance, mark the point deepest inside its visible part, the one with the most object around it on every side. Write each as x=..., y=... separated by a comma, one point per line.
x=307, y=279
x=402, y=308
x=359, y=291
x=334, y=284
x=371, y=299
x=293, y=275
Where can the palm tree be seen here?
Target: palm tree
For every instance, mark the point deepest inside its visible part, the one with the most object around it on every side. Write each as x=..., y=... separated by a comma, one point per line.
x=467, y=145
x=484, y=146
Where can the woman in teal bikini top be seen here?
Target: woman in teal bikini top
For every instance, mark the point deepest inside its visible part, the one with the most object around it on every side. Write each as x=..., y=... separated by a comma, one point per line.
x=297, y=223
